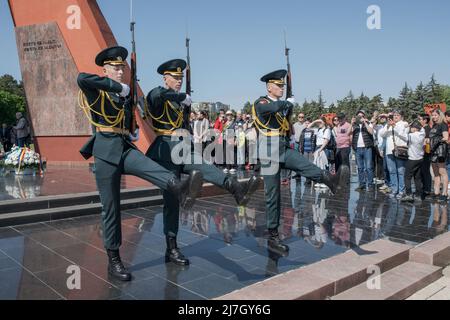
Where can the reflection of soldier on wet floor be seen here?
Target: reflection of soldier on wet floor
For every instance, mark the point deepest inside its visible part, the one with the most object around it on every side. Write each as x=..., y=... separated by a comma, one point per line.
x=200, y=221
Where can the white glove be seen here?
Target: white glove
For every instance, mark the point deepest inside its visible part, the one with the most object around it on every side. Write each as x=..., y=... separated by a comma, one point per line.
x=291, y=100
x=187, y=101
x=135, y=136
x=125, y=90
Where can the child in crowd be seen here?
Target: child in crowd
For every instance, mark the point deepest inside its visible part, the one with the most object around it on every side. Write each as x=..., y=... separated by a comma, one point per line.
x=416, y=138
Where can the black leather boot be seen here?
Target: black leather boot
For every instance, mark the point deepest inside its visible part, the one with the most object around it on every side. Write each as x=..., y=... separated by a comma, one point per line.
x=335, y=181
x=242, y=191
x=116, y=268
x=173, y=254
x=187, y=189
x=275, y=243
x=331, y=181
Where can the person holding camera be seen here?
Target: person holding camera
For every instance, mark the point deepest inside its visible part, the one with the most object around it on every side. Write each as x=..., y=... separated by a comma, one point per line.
x=362, y=143
x=396, y=134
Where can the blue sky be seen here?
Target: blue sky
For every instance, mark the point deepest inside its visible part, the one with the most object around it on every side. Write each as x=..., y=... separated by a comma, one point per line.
x=233, y=43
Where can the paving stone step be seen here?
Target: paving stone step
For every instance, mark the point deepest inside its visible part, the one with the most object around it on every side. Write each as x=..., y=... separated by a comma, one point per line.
x=328, y=277
x=396, y=284
x=49, y=202
x=40, y=215
x=434, y=252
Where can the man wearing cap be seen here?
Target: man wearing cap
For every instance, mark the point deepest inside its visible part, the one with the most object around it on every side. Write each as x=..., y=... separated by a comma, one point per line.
x=362, y=142
x=104, y=102
x=166, y=107
x=271, y=116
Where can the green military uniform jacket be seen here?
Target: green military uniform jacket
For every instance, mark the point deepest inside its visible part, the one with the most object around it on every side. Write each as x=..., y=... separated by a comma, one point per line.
x=165, y=105
x=267, y=111
x=106, y=146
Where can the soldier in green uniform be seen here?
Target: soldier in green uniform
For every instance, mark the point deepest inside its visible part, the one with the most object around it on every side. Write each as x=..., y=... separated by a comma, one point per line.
x=105, y=102
x=271, y=116
x=169, y=111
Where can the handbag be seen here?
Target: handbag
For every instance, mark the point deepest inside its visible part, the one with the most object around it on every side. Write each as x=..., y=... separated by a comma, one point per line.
x=399, y=152
x=440, y=153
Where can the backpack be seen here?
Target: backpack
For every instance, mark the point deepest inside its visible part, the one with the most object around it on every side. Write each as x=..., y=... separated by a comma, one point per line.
x=332, y=143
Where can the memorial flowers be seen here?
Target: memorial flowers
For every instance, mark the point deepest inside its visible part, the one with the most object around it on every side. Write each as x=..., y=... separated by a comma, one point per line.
x=21, y=158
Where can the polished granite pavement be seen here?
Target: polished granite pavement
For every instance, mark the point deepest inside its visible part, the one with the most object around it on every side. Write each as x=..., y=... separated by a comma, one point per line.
x=226, y=244
x=55, y=181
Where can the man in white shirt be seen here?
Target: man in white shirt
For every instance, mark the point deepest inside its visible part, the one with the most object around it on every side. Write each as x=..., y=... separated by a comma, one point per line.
x=396, y=134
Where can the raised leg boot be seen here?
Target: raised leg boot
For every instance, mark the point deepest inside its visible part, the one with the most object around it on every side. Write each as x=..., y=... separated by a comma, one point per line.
x=242, y=191
x=187, y=190
x=335, y=181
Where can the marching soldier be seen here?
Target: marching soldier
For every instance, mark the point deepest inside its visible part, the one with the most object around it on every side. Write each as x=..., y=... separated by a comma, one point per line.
x=103, y=100
x=272, y=122
x=169, y=111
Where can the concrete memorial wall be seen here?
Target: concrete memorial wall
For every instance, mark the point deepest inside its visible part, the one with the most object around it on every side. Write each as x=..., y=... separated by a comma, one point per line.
x=57, y=39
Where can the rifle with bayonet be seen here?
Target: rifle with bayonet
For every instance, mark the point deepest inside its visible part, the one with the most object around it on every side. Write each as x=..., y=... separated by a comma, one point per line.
x=133, y=76
x=289, y=93
x=187, y=111
x=188, y=68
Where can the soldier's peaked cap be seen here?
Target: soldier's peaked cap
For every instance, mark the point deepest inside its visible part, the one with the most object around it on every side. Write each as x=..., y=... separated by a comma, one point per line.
x=174, y=67
x=113, y=55
x=276, y=77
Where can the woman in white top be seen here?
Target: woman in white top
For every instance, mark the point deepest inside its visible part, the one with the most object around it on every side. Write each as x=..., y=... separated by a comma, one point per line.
x=396, y=134
x=323, y=136
x=200, y=130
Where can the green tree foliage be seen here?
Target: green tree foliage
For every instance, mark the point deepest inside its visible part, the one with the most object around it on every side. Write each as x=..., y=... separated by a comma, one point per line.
x=410, y=101
x=11, y=85
x=12, y=99
x=9, y=105
x=405, y=101
x=433, y=91
x=446, y=95
x=247, y=107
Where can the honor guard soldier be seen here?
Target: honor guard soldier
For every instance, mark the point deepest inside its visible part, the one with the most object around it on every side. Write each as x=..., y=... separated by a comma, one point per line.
x=271, y=116
x=169, y=111
x=105, y=103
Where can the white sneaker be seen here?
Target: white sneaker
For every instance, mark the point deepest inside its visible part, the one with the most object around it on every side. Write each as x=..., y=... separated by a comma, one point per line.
x=225, y=170
x=383, y=187
x=233, y=171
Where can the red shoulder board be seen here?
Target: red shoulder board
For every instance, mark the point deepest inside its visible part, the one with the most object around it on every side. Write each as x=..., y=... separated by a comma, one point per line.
x=263, y=100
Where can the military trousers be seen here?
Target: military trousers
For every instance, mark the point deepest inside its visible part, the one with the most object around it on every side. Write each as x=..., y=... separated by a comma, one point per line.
x=171, y=208
x=294, y=161
x=108, y=178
